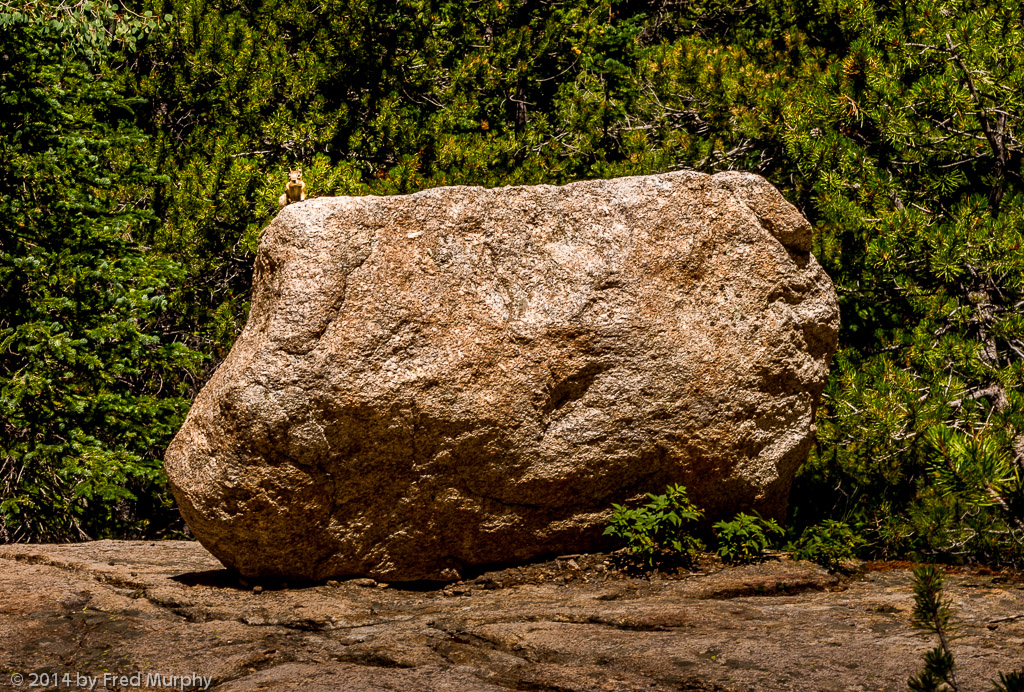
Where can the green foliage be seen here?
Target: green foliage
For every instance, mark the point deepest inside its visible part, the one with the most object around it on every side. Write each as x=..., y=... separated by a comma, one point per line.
x=980, y=470
x=913, y=182
x=828, y=544
x=657, y=530
x=1009, y=682
x=90, y=392
x=744, y=539
x=932, y=614
x=937, y=675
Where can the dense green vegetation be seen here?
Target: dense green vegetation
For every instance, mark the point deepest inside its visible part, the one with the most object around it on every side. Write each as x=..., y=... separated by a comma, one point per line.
x=662, y=534
x=147, y=154
x=91, y=381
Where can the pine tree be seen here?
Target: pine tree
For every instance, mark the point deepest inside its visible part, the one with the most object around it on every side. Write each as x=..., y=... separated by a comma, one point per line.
x=907, y=139
x=89, y=392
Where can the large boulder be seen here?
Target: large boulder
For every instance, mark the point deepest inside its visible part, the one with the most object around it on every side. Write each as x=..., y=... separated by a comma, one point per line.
x=466, y=376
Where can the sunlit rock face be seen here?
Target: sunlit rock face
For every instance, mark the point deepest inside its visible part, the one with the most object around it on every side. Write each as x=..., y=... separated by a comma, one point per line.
x=465, y=376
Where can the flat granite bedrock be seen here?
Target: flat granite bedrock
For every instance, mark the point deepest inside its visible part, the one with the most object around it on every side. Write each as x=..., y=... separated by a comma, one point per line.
x=569, y=624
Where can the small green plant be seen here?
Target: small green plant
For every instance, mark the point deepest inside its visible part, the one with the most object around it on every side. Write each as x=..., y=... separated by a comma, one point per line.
x=932, y=614
x=827, y=544
x=744, y=539
x=657, y=529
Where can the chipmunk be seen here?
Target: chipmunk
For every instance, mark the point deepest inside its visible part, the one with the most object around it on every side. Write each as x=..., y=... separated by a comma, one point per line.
x=294, y=189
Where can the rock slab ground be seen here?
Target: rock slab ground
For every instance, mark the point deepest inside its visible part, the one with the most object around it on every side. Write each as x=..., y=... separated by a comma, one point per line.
x=170, y=608
x=464, y=377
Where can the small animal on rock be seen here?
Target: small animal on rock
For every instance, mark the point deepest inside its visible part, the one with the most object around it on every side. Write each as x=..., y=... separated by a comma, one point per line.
x=294, y=189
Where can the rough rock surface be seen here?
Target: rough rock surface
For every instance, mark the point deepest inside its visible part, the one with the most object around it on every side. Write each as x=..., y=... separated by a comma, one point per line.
x=468, y=377
x=169, y=608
